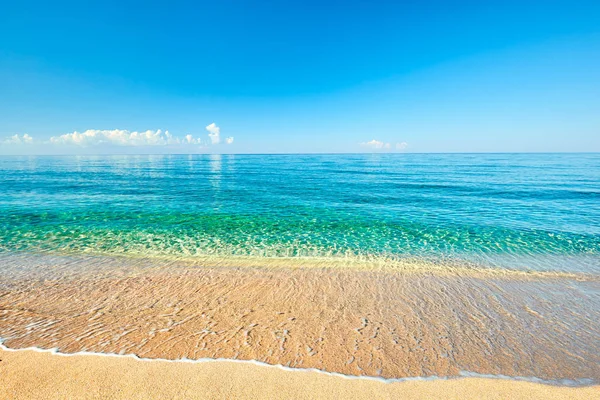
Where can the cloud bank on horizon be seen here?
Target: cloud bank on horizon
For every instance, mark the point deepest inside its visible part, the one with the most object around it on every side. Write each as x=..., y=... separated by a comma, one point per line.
x=123, y=138
x=131, y=139
x=17, y=139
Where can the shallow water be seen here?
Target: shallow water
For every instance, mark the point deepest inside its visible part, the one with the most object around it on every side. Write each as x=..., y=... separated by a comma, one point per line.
x=376, y=323
x=521, y=211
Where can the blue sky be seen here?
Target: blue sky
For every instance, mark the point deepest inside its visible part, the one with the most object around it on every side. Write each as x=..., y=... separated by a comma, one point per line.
x=269, y=77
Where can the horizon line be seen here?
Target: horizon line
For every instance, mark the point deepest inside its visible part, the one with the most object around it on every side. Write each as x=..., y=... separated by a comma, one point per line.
x=306, y=153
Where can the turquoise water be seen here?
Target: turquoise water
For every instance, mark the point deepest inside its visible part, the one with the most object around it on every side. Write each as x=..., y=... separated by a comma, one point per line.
x=523, y=211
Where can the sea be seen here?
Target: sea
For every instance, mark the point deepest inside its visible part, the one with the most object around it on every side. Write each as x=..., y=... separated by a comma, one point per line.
x=530, y=212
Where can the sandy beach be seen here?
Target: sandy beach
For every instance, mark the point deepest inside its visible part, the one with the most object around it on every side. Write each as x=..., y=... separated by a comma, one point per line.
x=29, y=374
x=362, y=323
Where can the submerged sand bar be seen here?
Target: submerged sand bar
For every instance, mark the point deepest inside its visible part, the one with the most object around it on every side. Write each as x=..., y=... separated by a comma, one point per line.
x=362, y=322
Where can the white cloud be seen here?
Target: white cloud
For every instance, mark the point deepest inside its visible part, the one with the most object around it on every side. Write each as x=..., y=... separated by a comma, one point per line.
x=379, y=145
x=171, y=139
x=121, y=137
x=375, y=144
x=189, y=139
x=16, y=139
x=214, y=133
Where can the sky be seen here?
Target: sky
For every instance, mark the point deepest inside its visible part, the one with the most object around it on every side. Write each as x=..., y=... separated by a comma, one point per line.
x=299, y=77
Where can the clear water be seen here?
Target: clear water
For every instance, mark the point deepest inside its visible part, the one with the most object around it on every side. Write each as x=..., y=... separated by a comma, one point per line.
x=523, y=211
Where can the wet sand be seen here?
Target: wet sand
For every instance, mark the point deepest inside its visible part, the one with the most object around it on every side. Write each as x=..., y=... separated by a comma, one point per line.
x=356, y=322
x=28, y=374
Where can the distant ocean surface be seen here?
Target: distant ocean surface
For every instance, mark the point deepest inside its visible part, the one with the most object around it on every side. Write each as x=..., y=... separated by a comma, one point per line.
x=519, y=211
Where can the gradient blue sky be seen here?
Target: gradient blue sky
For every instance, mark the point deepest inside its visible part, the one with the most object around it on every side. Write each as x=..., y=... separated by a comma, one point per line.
x=312, y=76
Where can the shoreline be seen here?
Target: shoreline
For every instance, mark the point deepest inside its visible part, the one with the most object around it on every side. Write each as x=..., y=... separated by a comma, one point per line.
x=568, y=383
x=33, y=374
x=352, y=322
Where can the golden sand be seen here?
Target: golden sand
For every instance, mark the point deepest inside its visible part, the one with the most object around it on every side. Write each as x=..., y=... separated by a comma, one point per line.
x=28, y=374
x=355, y=322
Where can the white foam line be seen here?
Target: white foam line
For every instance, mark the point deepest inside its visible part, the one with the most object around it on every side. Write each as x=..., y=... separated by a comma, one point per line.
x=462, y=374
